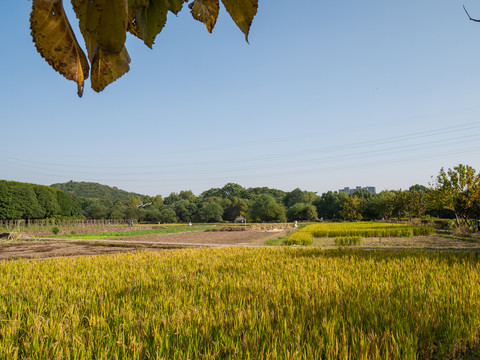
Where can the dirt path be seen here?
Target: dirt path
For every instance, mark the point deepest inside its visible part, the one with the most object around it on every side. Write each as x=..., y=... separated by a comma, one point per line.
x=41, y=248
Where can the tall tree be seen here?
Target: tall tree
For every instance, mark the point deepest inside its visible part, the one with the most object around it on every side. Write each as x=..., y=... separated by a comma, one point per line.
x=456, y=189
x=265, y=208
x=352, y=208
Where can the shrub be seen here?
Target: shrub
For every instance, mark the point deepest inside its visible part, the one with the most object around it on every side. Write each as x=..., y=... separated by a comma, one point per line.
x=55, y=230
x=443, y=224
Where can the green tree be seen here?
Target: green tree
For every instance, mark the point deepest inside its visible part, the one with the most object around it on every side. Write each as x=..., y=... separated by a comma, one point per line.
x=185, y=210
x=172, y=198
x=456, y=189
x=24, y=202
x=381, y=205
x=68, y=206
x=302, y=211
x=187, y=195
x=117, y=212
x=211, y=212
x=48, y=200
x=152, y=215
x=96, y=210
x=265, y=208
x=352, y=208
x=167, y=215
x=232, y=190
x=293, y=197
x=235, y=208
x=329, y=205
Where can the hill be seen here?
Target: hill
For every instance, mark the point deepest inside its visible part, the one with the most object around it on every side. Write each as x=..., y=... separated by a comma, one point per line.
x=95, y=191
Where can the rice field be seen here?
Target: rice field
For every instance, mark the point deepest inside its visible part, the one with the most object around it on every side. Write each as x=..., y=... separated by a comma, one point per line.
x=242, y=303
x=366, y=229
x=136, y=232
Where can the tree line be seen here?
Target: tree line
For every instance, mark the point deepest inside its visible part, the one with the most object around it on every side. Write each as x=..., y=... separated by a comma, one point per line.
x=454, y=194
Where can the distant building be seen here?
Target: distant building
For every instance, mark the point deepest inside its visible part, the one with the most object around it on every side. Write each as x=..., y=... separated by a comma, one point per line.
x=349, y=191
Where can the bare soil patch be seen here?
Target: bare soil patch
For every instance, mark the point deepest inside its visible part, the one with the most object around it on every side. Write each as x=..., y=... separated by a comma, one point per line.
x=205, y=238
x=37, y=248
x=48, y=248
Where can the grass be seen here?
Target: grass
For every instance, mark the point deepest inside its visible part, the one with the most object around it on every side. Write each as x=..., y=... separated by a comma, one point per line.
x=103, y=235
x=463, y=238
x=240, y=303
x=276, y=241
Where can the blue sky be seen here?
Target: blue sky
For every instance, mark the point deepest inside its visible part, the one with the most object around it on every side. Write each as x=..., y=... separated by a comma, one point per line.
x=327, y=94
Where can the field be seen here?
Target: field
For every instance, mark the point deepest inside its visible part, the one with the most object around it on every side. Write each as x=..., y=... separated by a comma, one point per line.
x=41, y=244
x=258, y=303
x=366, y=229
x=230, y=297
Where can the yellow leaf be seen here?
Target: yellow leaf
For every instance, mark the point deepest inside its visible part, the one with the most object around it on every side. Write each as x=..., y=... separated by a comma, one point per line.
x=205, y=11
x=56, y=42
x=242, y=12
x=132, y=26
x=104, y=38
x=107, y=66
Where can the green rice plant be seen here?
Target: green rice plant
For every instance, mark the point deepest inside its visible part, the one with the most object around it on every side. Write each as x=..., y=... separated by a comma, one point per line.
x=102, y=235
x=242, y=303
x=299, y=238
x=347, y=240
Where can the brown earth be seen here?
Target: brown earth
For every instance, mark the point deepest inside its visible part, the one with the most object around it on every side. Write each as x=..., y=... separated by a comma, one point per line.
x=41, y=248
x=38, y=248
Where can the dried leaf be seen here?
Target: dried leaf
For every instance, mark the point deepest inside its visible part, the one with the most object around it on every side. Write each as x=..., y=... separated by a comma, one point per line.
x=242, y=12
x=56, y=42
x=205, y=11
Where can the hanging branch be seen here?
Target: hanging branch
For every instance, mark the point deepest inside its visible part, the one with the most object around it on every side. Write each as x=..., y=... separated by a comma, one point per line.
x=476, y=20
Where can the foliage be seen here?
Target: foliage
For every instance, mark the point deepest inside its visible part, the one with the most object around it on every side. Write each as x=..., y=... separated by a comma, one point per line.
x=381, y=205
x=241, y=303
x=457, y=189
x=302, y=211
x=55, y=230
x=104, y=25
x=185, y=210
x=299, y=238
x=95, y=191
x=352, y=208
x=235, y=208
x=211, y=212
x=298, y=196
x=30, y=201
x=168, y=216
x=410, y=204
x=265, y=208
x=329, y=204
